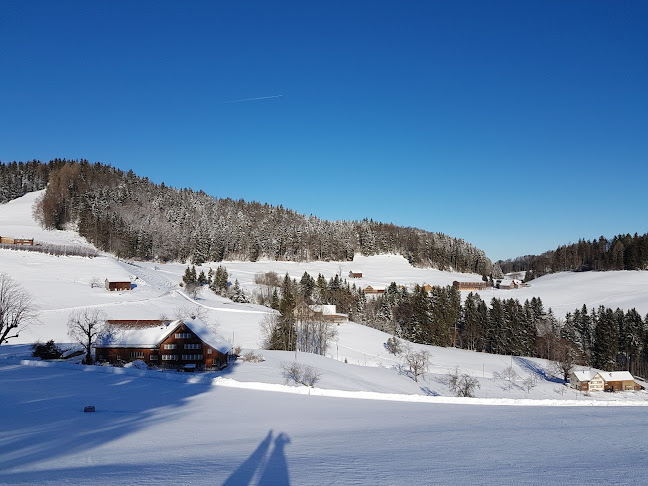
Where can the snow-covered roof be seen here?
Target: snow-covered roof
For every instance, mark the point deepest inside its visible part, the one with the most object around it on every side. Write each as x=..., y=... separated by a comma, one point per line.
x=135, y=336
x=616, y=375
x=585, y=375
x=207, y=336
x=151, y=336
x=325, y=309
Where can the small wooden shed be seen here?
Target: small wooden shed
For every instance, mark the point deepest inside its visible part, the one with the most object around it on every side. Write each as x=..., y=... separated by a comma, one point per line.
x=117, y=285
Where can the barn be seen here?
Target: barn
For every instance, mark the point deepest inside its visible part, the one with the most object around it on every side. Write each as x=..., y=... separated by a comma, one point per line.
x=182, y=344
x=470, y=285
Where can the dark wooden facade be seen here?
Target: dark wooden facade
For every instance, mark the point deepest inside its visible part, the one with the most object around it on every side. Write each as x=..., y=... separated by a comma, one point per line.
x=181, y=348
x=370, y=290
x=470, y=285
x=117, y=285
x=7, y=240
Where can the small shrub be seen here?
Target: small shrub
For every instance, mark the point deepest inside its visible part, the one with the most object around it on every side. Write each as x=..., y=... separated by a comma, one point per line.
x=251, y=357
x=49, y=350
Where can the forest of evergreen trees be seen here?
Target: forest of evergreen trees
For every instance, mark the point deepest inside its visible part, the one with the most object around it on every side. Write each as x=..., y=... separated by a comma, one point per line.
x=132, y=217
x=603, y=338
x=623, y=252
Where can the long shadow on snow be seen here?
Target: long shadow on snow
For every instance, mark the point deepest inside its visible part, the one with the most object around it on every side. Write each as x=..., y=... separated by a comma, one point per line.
x=42, y=407
x=532, y=367
x=273, y=471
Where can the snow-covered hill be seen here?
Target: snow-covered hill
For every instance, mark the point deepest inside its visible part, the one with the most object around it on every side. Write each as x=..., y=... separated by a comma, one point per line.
x=366, y=422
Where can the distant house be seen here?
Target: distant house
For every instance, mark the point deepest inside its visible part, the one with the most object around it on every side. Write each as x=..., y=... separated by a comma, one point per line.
x=353, y=274
x=182, y=344
x=374, y=290
x=589, y=380
x=117, y=285
x=470, y=285
x=428, y=288
x=7, y=240
x=329, y=313
x=508, y=284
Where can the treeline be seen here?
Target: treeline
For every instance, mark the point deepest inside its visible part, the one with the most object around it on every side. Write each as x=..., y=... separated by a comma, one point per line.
x=19, y=178
x=602, y=338
x=132, y=217
x=623, y=252
x=609, y=339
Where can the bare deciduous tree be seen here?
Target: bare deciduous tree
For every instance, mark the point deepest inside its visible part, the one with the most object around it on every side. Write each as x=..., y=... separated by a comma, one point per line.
x=566, y=357
x=84, y=325
x=462, y=384
x=300, y=373
x=394, y=346
x=529, y=383
x=194, y=289
x=314, y=333
x=509, y=375
x=417, y=361
x=17, y=309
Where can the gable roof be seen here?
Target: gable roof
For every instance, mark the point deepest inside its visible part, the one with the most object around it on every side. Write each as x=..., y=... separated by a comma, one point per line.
x=585, y=375
x=208, y=336
x=616, y=375
x=140, y=336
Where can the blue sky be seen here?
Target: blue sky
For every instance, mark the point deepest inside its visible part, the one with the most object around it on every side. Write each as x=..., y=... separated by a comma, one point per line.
x=517, y=126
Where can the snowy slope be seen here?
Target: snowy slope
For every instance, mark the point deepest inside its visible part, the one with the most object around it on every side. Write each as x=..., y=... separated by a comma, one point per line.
x=189, y=430
x=366, y=422
x=357, y=361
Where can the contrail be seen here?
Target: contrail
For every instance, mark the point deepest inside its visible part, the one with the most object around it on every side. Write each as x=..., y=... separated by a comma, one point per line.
x=254, y=99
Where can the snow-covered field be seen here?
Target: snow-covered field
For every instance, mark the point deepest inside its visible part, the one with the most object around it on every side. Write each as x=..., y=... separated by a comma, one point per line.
x=367, y=422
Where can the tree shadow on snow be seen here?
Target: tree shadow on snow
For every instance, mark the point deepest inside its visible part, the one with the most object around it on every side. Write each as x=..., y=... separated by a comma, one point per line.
x=536, y=369
x=429, y=392
x=43, y=409
x=272, y=471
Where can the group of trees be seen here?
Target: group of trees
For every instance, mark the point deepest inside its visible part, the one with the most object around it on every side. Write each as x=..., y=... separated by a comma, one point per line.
x=623, y=252
x=602, y=338
x=132, y=217
x=19, y=178
x=609, y=339
x=216, y=281
x=296, y=327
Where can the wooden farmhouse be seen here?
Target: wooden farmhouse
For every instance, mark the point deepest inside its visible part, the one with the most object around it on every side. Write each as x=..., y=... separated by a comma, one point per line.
x=613, y=381
x=374, y=290
x=117, y=285
x=183, y=344
x=353, y=274
x=7, y=240
x=471, y=286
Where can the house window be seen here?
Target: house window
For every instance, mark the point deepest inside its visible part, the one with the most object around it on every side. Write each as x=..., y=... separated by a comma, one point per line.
x=209, y=351
x=137, y=354
x=183, y=335
x=153, y=357
x=170, y=346
x=193, y=346
x=192, y=357
x=169, y=357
